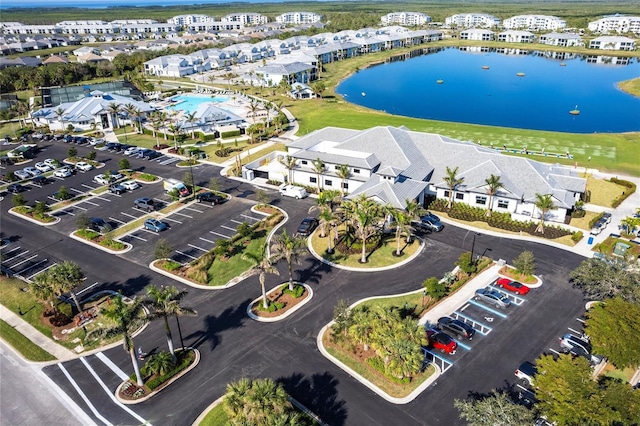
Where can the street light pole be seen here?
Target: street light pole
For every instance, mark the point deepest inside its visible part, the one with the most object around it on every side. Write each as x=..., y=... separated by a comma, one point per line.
x=193, y=183
x=473, y=245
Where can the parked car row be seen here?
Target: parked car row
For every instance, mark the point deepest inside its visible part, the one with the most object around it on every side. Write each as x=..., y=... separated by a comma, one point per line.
x=601, y=224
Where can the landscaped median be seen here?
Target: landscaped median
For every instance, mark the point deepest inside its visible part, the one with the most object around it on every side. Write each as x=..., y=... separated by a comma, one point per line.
x=33, y=215
x=156, y=378
x=104, y=242
x=282, y=302
x=228, y=263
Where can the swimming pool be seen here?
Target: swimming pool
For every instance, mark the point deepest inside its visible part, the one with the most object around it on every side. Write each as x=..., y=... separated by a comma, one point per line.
x=190, y=103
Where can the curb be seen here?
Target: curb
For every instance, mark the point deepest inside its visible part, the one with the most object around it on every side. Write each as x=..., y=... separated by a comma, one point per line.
x=165, y=385
x=537, y=284
x=287, y=312
x=204, y=413
x=32, y=220
x=378, y=269
x=403, y=400
x=127, y=248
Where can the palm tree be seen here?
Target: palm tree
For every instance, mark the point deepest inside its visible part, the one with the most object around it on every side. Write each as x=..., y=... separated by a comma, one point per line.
x=318, y=167
x=363, y=214
x=156, y=123
x=160, y=364
x=114, y=109
x=343, y=171
x=414, y=211
x=629, y=224
x=290, y=163
x=60, y=114
x=175, y=130
x=164, y=302
x=43, y=289
x=545, y=203
x=328, y=219
x=138, y=115
x=289, y=248
x=125, y=316
x=56, y=281
x=253, y=107
x=191, y=118
x=263, y=264
x=323, y=203
x=130, y=109
x=234, y=398
x=403, y=226
x=493, y=185
x=453, y=181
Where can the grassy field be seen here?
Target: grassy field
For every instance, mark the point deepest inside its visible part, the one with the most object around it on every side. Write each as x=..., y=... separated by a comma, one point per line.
x=221, y=271
x=631, y=86
x=583, y=222
x=216, y=417
x=26, y=347
x=603, y=192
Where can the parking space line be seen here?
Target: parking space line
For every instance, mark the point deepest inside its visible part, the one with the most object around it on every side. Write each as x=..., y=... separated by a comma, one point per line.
x=22, y=271
x=81, y=208
x=444, y=363
x=474, y=323
x=17, y=255
x=160, y=200
x=129, y=215
x=209, y=241
x=117, y=220
x=197, y=248
x=493, y=311
x=172, y=220
x=186, y=255
x=90, y=203
x=88, y=186
x=42, y=270
x=87, y=288
x=193, y=210
x=136, y=237
x=236, y=221
x=23, y=261
x=250, y=217
x=182, y=214
x=101, y=198
x=579, y=333
x=12, y=250
x=77, y=190
x=554, y=351
x=228, y=227
x=581, y=320
x=220, y=235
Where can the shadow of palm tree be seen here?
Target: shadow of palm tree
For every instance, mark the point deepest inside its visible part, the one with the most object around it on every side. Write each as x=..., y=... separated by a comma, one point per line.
x=318, y=394
x=231, y=318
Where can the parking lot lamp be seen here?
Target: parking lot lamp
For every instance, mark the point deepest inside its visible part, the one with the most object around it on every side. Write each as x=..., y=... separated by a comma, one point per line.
x=193, y=182
x=473, y=246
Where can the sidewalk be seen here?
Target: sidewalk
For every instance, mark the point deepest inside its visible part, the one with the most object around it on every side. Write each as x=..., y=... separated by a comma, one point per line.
x=60, y=352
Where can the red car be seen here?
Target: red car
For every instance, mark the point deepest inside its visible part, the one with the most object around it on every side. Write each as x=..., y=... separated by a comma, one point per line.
x=442, y=342
x=512, y=286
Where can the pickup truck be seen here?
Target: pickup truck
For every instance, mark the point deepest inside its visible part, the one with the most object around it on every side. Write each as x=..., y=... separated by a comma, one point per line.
x=296, y=192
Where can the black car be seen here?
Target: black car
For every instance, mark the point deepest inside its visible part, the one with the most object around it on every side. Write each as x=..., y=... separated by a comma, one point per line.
x=16, y=188
x=209, y=197
x=40, y=180
x=116, y=188
x=113, y=146
x=307, y=226
x=458, y=328
x=149, y=154
x=99, y=225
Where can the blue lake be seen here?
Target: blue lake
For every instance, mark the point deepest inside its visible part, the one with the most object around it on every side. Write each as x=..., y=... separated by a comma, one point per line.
x=497, y=96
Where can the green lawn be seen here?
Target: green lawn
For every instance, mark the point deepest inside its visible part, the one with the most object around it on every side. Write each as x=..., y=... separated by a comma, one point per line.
x=603, y=192
x=222, y=271
x=583, y=222
x=216, y=417
x=26, y=347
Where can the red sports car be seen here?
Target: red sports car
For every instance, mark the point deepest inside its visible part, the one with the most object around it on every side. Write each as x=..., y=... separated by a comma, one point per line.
x=512, y=286
x=442, y=342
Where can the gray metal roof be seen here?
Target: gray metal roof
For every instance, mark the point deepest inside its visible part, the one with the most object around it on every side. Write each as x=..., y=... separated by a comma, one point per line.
x=284, y=69
x=389, y=192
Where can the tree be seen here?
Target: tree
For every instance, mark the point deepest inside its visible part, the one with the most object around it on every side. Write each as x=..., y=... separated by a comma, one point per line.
x=82, y=221
x=496, y=409
x=214, y=184
x=342, y=318
x=466, y=263
x=493, y=185
x=59, y=112
x=434, y=288
x=18, y=200
x=318, y=168
x=164, y=302
x=525, y=263
x=567, y=394
x=126, y=317
x=363, y=213
x=453, y=181
x=163, y=249
x=414, y=211
x=91, y=155
x=613, y=329
x=600, y=280
x=289, y=248
x=327, y=219
x=130, y=109
x=544, y=202
x=114, y=110
x=289, y=163
x=403, y=226
x=318, y=87
x=263, y=264
x=160, y=363
x=156, y=124
x=254, y=106
x=191, y=119
x=343, y=171
x=66, y=276
x=72, y=152
x=123, y=164
x=63, y=193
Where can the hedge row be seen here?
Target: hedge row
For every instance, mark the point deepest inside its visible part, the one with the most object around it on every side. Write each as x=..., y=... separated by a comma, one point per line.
x=630, y=185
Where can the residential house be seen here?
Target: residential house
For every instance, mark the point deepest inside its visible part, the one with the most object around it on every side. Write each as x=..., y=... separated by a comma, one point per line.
x=613, y=43
x=616, y=24
x=515, y=36
x=472, y=20
x=273, y=74
x=534, y=23
x=562, y=39
x=477, y=34
x=301, y=91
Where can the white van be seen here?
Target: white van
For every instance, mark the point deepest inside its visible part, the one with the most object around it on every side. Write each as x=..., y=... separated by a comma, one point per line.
x=296, y=192
x=171, y=184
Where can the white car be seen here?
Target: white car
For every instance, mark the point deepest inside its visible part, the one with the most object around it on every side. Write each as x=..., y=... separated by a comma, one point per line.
x=33, y=172
x=131, y=150
x=51, y=162
x=62, y=172
x=85, y=167
x=101, y=179
x=130, y=185
x=22, y=174
x=43, y=167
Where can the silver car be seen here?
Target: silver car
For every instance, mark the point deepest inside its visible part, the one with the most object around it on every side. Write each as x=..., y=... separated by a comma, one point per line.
x=492, y=297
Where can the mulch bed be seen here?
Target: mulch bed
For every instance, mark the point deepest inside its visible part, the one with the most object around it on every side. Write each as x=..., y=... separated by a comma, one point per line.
x=511, y=274
x=278, y=296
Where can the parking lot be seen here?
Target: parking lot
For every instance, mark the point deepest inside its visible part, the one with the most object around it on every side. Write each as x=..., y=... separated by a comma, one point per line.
x=486, y=320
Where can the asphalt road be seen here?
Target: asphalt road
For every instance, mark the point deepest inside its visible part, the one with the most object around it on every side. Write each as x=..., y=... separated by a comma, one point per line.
x=233, y=346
